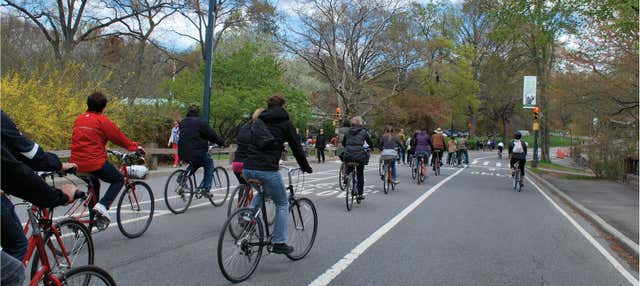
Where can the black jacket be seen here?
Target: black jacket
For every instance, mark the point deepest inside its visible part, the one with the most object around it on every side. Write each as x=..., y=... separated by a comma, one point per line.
x=321, y=141
x=353, y=141
x=244, y=140
x=277, y=120
x=20, y=156
x=195, y=135
x=520, y=156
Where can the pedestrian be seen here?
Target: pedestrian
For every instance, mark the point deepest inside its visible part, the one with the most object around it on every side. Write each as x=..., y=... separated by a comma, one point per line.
x=321, y=144
x=173, y=142
x=402, y=148
x=451, y=148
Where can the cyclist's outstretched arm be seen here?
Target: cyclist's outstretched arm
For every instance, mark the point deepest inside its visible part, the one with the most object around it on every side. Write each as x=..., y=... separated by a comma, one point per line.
x=296, y=148
x=113, y=134
x=208, y=133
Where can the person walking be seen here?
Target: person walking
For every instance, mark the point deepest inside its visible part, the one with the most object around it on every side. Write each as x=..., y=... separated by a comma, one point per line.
x=321, y=144
x=402, y=148
x=173, y=142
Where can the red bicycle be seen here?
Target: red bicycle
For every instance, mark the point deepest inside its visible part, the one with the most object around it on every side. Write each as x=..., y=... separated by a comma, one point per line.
x=135, y=206
x=61, y=272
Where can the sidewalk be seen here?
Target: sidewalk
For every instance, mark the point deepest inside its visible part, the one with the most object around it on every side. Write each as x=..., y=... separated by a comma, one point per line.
x=611, y=205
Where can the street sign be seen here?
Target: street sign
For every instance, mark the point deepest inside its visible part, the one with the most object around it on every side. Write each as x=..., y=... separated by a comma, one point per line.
x=536, y=126
x=529, y=92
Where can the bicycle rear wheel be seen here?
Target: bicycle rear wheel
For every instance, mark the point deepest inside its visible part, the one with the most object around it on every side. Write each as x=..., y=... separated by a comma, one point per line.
x=381, y=168
x=219, y=186
x=302, y=227
x=87, y=275
x=135, y=209
x=421, y=175
x=178, y=192
x=78, y=247
x=239, y=255
x=386, y=183
x=349, y=191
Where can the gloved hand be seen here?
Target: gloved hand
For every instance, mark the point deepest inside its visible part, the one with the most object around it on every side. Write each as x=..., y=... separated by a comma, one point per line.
x=307, y=169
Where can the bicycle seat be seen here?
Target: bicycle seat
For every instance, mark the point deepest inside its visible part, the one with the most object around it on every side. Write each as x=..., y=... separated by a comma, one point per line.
x=255, y=181
x=353, y=164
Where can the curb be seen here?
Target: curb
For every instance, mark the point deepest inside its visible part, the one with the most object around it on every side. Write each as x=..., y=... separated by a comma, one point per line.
x=593, y=216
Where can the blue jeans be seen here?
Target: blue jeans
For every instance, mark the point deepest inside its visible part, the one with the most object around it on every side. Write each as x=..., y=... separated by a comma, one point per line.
x=12, y=270
x=394, y=168
x=14, y=242
x=425, y=154
x=402, y=158
x=272, y=184
x=207, y=163
x=111, y=175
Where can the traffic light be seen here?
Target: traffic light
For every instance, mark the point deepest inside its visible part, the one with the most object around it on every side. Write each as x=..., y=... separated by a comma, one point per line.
x=536, y=111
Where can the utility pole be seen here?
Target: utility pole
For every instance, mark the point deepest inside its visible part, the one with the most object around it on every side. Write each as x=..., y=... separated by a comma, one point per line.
x=536, y=128
x=206, y=100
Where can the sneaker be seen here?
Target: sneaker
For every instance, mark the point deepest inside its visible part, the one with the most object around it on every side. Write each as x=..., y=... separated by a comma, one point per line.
x=360, y=197
x=206, y=192
x=395, y=182
x=101, y=216
x=513, y=172
x=282, y=248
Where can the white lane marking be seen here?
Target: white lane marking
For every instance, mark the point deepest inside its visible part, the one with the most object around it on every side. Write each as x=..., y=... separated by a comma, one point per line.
x=498, y=164
x=590, y=238
x=343, y=263
x=486, y=163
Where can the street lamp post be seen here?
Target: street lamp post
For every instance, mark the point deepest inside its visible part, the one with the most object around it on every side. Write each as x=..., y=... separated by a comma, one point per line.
x=206, y=100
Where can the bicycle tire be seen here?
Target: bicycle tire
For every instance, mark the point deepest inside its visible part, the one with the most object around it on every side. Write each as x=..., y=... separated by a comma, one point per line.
x=421, y=175
x=414, y=173
x=385, y=183
x=381, y=168
x=183, y=191
x=220, y=183
x=341, y=176
x=349, y=191
x=56, y=257
x=135, y=195
x=236, y=201
x=297, y=230
x=87, y=275
x=247, y=232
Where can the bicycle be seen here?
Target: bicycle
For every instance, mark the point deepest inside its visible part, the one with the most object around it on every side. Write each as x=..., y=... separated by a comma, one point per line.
x=499, y=154
x=130, y=210
x=179, y=188
x=418, y=171
x=342, y=175
x=45, y=274
x=351, y=185
x=245, y=236
x=388, y=176
x=517, y=179
x=436, y=166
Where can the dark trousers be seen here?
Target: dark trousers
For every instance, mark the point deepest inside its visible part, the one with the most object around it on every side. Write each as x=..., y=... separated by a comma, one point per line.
x=14, y=242
x=359, y=175
x=521, y=166
x=111, y=175
x=436, y=154
x=320, y=154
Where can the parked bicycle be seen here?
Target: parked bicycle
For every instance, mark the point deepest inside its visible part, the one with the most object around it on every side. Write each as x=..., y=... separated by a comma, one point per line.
x=245, y=233
x=180, y=188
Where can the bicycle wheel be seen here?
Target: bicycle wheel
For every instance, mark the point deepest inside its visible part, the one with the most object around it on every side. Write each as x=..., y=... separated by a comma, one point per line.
x=219, y=186
x=421, y=175
x=178, y=192
x=87, y=275
x=341, y=176
x=437, y=173
x=135, y=209
x=239, y=199
x=414, y=172
x=78, y=247
x=349, y=191
x=386, y=183
x=381, y=168
x=302, y=227
x=238, y=256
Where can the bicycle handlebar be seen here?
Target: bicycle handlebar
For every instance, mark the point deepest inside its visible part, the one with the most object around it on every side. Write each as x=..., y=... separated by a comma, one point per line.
x=62, y=173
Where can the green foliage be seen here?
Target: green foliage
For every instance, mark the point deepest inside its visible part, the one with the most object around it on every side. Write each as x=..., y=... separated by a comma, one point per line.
x=242, y=82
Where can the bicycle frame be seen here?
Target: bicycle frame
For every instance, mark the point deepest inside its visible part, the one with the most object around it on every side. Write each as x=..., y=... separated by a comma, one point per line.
x=36, y=241
x=33, y=241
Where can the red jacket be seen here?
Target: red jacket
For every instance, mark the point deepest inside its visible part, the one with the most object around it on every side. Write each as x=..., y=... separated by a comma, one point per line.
x=91, y=131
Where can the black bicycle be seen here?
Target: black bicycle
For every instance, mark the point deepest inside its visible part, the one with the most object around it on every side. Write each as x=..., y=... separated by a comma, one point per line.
x=180, y=189
x=351, y=185
x=517, y=177
x=418, y=171
x=245, y=234
x=437, y=155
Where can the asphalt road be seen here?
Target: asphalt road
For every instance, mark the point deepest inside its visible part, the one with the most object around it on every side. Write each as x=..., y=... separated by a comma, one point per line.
x=464, y=227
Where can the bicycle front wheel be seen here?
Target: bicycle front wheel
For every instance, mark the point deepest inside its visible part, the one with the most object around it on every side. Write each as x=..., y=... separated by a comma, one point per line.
x=219, y=187
x=135, y=209
x=178, y=192
x=302, y=228
x=240, y=245
x=341, y=176
x=88, y=275
x=71, y=246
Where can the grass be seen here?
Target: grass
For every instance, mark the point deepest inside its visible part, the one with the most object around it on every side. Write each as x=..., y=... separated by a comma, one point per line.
x=555, y=141
x=552, y=166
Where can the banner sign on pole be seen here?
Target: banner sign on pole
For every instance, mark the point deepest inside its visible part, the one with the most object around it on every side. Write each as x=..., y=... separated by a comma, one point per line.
x=529, y=92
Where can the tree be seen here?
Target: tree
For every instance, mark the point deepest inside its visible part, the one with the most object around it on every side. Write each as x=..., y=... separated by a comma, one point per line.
x=66, y=24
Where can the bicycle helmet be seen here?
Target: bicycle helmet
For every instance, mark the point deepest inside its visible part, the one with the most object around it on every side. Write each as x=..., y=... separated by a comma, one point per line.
x=517, y=135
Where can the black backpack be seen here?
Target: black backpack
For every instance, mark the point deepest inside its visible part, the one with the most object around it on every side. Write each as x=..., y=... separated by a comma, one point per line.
x=261, y=137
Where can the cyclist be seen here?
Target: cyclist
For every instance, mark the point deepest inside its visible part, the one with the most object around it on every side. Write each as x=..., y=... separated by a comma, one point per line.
x=389, y=144
x=451, y=149
x=500, y=148
x=517, y=153
x=353, y=142
x=20, y=157
x=91, y=131
x=263, y=164
x=438, y=147
x=195, y=135
x=462, y=146
x=244, y=139
x=423, y=146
